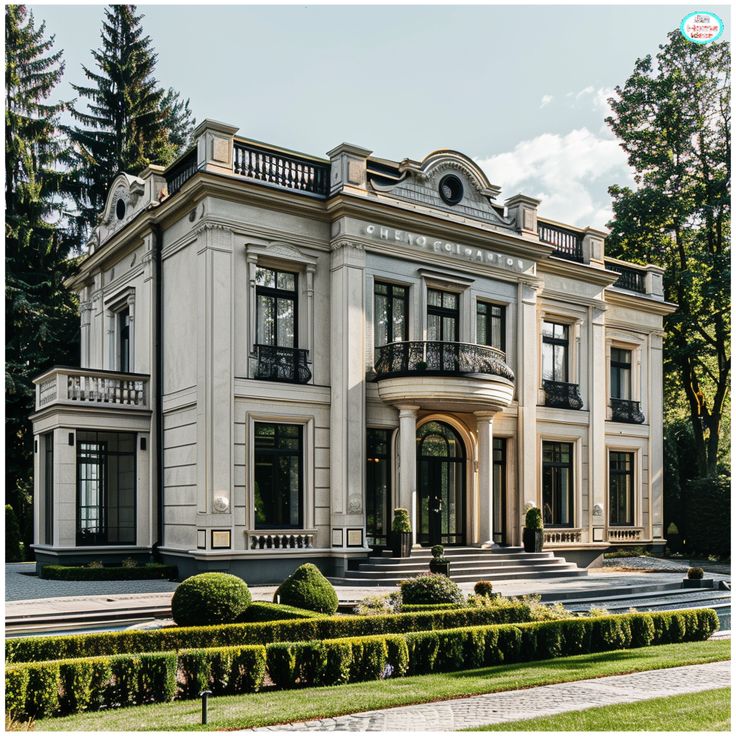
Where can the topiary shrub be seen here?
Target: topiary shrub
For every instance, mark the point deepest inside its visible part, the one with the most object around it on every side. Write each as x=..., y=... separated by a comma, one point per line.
x=13, y=542
x=209, y=598
x=695, y=573
x=533, y=519
x=400, y=522
x=307, y=588
x=430, y=588
x=483, y=587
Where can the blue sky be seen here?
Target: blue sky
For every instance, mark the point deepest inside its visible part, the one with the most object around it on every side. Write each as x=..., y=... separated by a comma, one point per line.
x=521, y=89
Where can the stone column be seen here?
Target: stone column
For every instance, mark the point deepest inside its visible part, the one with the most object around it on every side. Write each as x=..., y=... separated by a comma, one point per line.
x=408, y=463
x=485, y=477
x=597, y=403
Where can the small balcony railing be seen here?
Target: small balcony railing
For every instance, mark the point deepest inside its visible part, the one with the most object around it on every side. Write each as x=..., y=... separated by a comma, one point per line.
x=86, y=387
x=561, y=395
x=623, y=410
x=568, y=244
x=631, y=279
x=282, y=364
x=182, y=170
x=288, y=171
x=410, y=358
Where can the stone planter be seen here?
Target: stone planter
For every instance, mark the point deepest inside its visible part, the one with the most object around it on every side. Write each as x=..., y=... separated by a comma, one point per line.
x=533, y=540
x=401, y=544
x=443, y=568
x=702, y=583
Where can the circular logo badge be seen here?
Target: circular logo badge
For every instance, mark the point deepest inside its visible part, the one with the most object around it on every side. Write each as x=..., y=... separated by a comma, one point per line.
x=702, y=26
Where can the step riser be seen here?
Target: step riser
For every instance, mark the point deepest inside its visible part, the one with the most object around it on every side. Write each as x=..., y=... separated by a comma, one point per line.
x=389, y=582
x=398, y=569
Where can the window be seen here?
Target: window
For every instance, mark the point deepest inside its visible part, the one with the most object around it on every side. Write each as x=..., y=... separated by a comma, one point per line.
x=277, y=462
x=499, y=490
x=557, y=485
x=621, y=488
x=390, y=314
x=106, y=483
x=123, y=318
x=48, y=488
x=378, y=486
x=555, y=341
x=491, y=325
x=442, y=316
x=620, y=373
x=276, y=308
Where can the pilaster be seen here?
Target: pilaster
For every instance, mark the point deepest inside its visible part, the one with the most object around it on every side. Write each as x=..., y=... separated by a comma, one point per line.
x=598, y=401
x=485, y=478
x=408, y=463
x=656, y=436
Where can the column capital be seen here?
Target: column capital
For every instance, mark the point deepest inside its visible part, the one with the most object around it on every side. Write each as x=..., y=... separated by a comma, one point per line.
x=483, y=416
x=407, y=410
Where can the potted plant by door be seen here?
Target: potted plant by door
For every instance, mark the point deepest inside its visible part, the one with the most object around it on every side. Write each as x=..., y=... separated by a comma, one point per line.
x=401, y=534
x=439, y=563
x=533, y=534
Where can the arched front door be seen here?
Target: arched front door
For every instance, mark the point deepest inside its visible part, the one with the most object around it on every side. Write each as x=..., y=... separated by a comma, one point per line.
x=440, y=485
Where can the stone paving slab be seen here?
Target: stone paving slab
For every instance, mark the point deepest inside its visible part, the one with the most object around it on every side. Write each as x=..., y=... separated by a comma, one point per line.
x=515, y=705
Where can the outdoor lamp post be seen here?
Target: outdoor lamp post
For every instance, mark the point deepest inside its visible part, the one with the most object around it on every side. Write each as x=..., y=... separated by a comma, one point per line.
x=204, y=695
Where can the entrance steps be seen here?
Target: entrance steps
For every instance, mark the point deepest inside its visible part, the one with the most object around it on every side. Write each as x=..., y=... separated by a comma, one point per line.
x=467, y=564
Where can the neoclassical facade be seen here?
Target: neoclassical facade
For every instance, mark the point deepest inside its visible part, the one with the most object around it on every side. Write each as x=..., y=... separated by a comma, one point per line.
x=278, y=349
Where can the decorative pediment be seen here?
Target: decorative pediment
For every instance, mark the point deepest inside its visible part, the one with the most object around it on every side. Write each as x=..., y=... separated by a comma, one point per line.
x=280, y=251
x=124, y=201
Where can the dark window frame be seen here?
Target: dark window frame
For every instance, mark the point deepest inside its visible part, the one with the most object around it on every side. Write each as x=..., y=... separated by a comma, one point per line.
x=48, y=487
x=444, y=313
x=555, y=343
x=373, y=458
x=390, y=300
x=617, y=367
x=627, y=472
x=273, y=293
x=123, y=320
x=554, y=466
x=486, y=339
x=275, y=453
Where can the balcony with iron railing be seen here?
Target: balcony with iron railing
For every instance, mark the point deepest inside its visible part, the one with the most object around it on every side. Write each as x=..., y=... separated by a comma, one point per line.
x=88, y=388
x=275, y=363
x=568, y=243
x=625, y=410
x=562, y=395
x=630, y=279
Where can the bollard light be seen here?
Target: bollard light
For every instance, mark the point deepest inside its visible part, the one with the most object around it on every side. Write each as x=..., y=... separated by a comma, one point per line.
x=204, y=695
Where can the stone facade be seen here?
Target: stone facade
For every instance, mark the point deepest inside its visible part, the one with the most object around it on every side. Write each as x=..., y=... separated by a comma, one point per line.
x=265, y=438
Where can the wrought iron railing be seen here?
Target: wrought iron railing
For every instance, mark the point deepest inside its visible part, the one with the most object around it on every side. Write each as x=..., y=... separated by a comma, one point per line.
x=439, y=358
x=561, y=395
x=86, y=387
x=282, y=364
x=291, y=172
x=631, y=279
x=568, y=244
x=623, y=410
x=182, y=170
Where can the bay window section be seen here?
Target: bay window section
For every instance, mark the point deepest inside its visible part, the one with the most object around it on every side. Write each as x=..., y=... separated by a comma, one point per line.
x=621, y=488
x=278, y=476
x=557, y=484
x=390, y=314
x=490, y=322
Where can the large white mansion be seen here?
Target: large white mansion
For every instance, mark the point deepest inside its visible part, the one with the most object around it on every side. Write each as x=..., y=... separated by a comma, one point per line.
x=278, y=349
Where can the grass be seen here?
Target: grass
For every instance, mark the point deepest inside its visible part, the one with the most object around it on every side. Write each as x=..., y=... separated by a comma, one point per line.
x=268, y=708
x=704, y=711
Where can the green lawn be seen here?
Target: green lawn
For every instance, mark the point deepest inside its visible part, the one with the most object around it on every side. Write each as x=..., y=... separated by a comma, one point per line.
x=267, y=708
x=706, y=711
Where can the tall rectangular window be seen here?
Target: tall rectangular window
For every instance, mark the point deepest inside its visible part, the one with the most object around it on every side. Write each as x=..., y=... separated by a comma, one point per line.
x=278, y=494
x=557, y=484
x=276, y=308
x=378, y=486
x=124, y=340
x=621, y=488
x=555, y=344
x=491, y=324
x=443, y=316
x=390, y=314
x=620, y=373
x=499, y=490
x=106, y=486
x=48, y=487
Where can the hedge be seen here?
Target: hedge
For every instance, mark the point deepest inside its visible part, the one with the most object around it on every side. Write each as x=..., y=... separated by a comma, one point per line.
x=275, y=612
x=35, y=649
x=45, y=688
x=151, y=571
x=419, y=607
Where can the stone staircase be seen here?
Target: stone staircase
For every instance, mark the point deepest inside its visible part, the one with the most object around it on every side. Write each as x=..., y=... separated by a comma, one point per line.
x=468, y=564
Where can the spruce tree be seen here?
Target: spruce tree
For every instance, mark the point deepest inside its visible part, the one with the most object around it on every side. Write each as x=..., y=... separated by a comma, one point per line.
x=40, y=314
x=123, y=127
x=178, y=120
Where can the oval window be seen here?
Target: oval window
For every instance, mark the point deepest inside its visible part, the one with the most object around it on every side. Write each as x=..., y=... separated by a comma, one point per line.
x=451, y=189
x=120, y=209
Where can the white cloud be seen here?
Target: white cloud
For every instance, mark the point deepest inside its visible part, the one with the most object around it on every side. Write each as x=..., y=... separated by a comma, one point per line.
x=546, y=99
x=570, y=173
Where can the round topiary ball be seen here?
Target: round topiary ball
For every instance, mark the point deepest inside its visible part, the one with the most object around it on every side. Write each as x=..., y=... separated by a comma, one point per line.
x=209, y=598
x=307, y=588
x=430, y=588
x=483, y=587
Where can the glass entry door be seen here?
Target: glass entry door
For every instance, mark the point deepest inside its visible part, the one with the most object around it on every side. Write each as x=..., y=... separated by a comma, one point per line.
x=499, y=490
x=440, y=485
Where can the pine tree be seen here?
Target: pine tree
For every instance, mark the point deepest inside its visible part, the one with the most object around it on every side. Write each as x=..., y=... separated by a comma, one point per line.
x=178, y=120
x=40, y=314
x=123, y=127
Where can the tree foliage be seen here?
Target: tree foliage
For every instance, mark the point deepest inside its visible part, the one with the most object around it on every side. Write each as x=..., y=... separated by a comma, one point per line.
x=178, y=120
x=672, y=118
x=40, y=314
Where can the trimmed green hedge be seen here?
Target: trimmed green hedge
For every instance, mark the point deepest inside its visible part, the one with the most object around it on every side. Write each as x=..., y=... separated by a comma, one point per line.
x=39, y=648
x=260, y=611
x=151, y=571
x=46, y=688
x=418, y=607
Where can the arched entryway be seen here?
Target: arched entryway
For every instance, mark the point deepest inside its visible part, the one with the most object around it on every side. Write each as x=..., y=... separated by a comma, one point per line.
x=441, y=485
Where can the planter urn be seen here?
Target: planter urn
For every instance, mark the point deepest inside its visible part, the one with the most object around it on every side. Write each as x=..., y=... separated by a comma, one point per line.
x=697, y=583
x=401, y=544
x=443, y=568
x=533, y=540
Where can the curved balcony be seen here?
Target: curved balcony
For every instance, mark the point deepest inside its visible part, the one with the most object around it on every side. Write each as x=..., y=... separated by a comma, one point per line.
x=452, y=376
x=623, y=410
x=561, y=395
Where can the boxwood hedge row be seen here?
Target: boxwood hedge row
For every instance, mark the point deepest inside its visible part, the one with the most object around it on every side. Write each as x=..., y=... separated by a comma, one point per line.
x=35, y=649
x=41, y=689
x=151, y=571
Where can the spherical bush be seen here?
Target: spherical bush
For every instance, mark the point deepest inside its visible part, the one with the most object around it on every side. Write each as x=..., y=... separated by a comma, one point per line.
x=483, y=587
x=209, y=598
x=308, y=588
x=431, y=588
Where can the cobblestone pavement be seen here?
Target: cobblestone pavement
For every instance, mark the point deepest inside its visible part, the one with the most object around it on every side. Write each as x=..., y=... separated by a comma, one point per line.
x=515, y=705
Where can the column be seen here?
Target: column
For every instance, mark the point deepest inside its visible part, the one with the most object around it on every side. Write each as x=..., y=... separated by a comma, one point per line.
x=597, y=403
x=656, y=438
x=408, y=463
x=485, y=478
